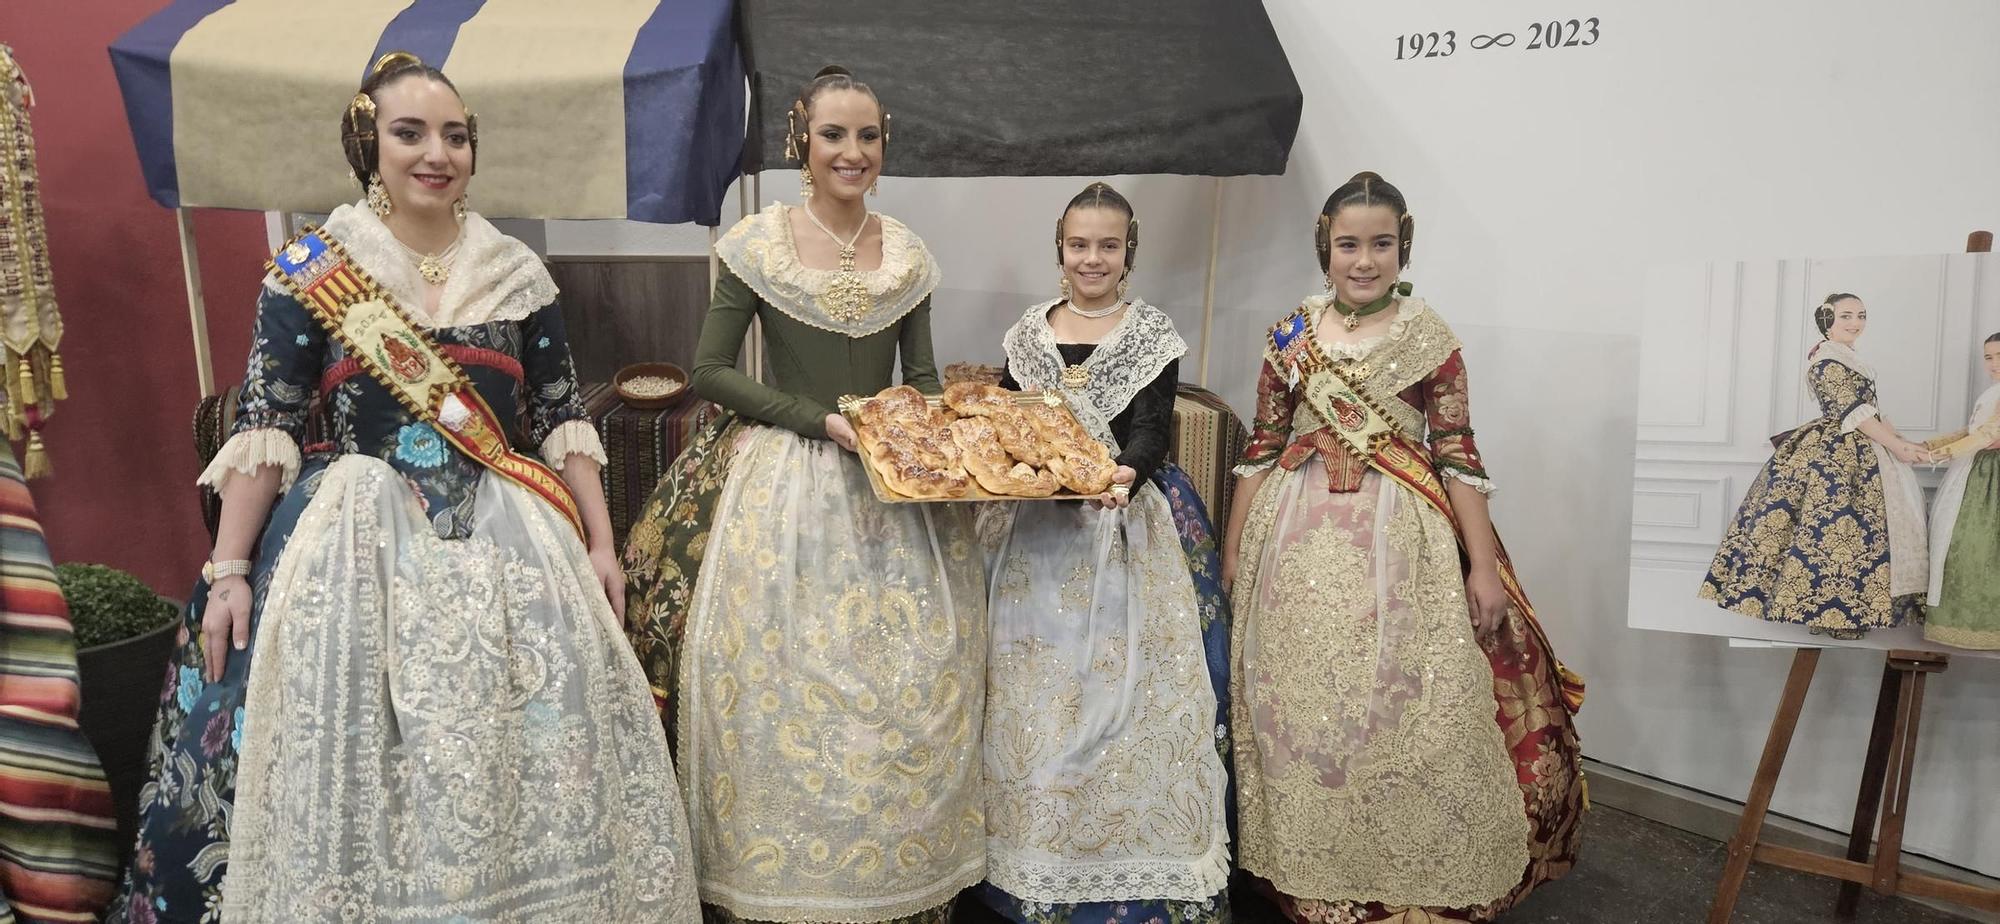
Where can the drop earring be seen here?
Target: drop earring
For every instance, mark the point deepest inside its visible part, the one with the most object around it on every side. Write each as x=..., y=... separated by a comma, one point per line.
x=1124, y=285
x=1064, y=286
x=875, y=188
x=378, y=197
x=458, y=208
x=805, y=182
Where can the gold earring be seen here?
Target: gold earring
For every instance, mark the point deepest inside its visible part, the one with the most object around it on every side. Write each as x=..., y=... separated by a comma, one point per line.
x=458, y=207
x=875, y=188
x=1064, y=286
x=378, y=197
x=805, y=182
x=1327, y=283
x=1124, y=285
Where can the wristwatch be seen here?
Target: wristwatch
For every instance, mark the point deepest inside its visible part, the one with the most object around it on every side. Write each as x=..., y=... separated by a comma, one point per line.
x=212, y=571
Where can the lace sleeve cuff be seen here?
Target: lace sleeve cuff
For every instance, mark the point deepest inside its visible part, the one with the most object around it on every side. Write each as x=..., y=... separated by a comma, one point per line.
x=250, y=450
x=1483, y=485
x=1251, y=468
x=1854, y=418
x=573, y=438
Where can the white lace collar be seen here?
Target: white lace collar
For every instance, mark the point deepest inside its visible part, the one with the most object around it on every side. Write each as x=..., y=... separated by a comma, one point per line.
x=1128, y=359
x=1408, y=309
x=494, y=278
x=761, y=252
x=1840, y=353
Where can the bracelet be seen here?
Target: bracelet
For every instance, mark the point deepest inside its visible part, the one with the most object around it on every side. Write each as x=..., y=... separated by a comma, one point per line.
x=212, y=571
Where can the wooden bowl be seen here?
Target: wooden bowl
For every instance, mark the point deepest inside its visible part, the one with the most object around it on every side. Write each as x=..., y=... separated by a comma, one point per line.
x=651, y=402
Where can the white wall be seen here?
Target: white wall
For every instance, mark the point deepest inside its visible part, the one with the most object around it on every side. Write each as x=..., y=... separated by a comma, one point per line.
x=1722, y=368
x=1546, y=183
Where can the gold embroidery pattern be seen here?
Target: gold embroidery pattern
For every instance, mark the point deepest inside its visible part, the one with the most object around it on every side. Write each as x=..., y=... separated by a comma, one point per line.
x=1374, y=771
x=1103, y=780
x=448, y=727
x=830, y=682
x=1811, y=542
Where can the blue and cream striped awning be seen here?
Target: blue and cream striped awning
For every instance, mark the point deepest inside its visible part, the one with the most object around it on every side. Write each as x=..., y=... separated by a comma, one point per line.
x=587, y=108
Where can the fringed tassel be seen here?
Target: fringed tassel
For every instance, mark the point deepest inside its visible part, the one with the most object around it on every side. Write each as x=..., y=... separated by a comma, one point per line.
x=18, y=405
x=37, y=465
x=58, y=388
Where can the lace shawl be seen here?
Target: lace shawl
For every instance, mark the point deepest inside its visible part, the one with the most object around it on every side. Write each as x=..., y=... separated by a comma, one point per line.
x=1129, y=357
x=760, y=251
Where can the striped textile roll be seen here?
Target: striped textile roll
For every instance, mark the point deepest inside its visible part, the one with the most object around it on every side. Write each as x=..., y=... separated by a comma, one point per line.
x=1208, y=438
x=640, y=444
x=587, y=108
x=58, y=840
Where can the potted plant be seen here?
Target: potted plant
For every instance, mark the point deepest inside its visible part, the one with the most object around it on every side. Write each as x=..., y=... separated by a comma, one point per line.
x=124, y=635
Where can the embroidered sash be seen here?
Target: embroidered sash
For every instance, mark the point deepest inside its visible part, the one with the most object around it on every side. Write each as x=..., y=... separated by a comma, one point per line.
x=398, y=354
x=1365, y=428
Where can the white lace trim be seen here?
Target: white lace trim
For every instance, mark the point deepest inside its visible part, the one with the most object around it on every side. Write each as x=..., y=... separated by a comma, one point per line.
x=1128, y=359
x=1855, y=418
x=250, y=450
x=573, y=438
x=1841, y=353
x=494, y=277
x=1407, y=309
x=1482, y=485
x=760, y=251
x=1251, y=468
x=1070, y=882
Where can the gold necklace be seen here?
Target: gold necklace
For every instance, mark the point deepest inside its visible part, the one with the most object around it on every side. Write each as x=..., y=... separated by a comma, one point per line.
x=434, y=267
x=846, y=299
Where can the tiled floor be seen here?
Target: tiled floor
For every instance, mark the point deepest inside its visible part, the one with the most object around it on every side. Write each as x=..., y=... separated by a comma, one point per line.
x=1634, y=871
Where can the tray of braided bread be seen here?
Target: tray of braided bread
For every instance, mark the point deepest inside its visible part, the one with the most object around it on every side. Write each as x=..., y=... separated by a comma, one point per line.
x=976, y=442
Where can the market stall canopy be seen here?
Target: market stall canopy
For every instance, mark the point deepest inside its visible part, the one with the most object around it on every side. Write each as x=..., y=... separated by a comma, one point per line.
x=1038, y=87
x=587, y=108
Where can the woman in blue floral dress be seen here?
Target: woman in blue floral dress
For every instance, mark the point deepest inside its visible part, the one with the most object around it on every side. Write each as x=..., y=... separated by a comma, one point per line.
x=442, y=719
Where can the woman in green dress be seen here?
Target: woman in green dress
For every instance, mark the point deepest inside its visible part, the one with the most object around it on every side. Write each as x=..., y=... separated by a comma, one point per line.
x=820, y=653
x=1965, y=526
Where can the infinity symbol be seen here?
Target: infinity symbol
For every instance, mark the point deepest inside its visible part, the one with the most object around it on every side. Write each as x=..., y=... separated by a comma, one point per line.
x=1482, y=42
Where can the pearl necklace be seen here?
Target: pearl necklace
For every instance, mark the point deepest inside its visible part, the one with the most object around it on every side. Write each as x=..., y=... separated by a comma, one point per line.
x=847, y=298
x=434, y=267
x=1093, y=313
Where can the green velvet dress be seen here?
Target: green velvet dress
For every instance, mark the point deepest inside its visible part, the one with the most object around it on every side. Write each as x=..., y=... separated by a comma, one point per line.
x=1965, y=538
x=820, y=653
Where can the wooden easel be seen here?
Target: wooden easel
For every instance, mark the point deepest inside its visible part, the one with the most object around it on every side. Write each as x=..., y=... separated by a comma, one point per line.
x=1892, y=755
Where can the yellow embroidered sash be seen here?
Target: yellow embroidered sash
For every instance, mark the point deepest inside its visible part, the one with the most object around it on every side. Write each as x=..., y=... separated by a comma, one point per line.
x=1361, y=423
x=406, y=361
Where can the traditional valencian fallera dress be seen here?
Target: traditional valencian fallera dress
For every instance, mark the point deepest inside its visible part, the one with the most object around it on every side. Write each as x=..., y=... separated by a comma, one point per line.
x=821, y=653
x=439, y=717
x=1391, y=766
x=1105, y=756
x=1965, y=535
x=1831, y=533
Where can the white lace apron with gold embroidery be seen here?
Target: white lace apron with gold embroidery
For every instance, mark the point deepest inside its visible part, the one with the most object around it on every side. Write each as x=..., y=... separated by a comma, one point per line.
x=1370, y=765
x=1103, y=783
x=833, y=669
x=448, y=729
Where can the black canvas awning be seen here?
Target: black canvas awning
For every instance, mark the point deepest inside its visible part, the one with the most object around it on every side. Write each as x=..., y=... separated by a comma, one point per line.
x=1037, y=87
